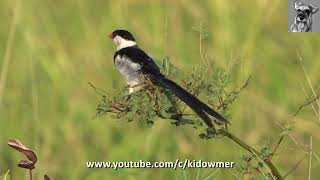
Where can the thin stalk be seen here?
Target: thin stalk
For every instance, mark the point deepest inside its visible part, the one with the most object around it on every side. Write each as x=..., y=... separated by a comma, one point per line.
x=309, y=82
x=30, y=174
x=273, y=169
x=7, y=54
x=310, y=159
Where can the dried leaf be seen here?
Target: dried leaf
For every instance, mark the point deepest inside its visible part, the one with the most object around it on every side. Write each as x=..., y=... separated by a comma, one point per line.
x=27, y=164
x=19, y=146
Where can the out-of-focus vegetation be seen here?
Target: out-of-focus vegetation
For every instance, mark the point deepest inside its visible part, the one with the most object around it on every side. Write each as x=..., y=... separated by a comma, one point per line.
x=50, y=50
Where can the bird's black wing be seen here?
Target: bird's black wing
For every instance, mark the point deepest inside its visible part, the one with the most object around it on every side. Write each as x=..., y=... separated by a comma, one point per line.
x=149, y=67
x=136, y=55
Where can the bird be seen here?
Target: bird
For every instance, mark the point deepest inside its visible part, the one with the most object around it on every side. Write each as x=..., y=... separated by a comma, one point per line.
x=136, y=66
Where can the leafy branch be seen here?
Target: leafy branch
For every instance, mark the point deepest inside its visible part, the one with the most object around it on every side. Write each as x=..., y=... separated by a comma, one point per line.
x=153, y=103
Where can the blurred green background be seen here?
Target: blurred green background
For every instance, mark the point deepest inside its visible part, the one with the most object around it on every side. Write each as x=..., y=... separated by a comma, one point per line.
x=50, y=50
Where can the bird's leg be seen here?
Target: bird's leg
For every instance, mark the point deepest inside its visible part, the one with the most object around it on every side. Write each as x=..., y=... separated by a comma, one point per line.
x=126, y=87
x=136, y=88
x=127, y=97
x=131, y=90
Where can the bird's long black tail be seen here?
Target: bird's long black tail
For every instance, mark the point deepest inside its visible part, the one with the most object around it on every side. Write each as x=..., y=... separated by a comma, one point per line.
x=193, y=102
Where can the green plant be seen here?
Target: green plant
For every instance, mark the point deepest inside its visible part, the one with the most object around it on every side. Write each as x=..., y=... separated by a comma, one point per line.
x=154, y=103
x=5, y=176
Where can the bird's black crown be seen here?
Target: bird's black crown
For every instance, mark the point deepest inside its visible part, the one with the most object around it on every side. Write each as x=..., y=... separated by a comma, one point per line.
x=124, y=34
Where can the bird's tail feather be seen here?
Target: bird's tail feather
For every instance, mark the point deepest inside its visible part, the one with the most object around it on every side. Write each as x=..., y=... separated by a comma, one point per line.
x=193, y=102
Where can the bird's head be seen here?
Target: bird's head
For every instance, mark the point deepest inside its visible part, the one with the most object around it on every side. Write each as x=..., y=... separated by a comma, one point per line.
x=122, y=39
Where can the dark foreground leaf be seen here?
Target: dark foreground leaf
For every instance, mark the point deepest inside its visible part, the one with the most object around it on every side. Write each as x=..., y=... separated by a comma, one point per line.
x=29, y=153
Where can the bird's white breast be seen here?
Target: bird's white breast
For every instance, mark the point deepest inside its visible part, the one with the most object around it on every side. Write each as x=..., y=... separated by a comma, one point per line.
x=129, y=70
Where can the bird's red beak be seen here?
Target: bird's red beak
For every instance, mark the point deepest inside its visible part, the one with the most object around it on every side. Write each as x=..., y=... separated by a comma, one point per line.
x=110, y=36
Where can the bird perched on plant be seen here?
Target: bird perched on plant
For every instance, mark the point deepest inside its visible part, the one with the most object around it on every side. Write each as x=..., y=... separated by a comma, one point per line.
x=136, y=66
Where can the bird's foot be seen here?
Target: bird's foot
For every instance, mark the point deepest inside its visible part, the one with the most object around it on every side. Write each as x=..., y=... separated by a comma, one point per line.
x=136, y=88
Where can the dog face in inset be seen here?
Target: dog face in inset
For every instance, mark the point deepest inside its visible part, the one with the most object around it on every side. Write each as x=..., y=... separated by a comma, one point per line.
x=303, y=20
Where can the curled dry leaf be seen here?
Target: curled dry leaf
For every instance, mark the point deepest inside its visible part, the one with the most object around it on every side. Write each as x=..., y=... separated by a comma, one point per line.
x=25, y=163
x=19, y=146
x=29, y=153
x=46, y=177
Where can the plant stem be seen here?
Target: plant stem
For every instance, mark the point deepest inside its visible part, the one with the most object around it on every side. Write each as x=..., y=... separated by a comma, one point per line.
x=253, y=151
x=30, y=174
x=310, y=159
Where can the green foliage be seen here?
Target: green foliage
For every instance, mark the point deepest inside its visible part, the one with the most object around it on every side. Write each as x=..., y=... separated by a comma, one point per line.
x=5, y=176
x=213, y=84
x=264, y=152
